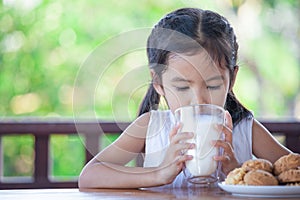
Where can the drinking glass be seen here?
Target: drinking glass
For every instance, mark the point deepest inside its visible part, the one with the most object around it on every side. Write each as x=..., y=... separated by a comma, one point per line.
x=205, y=121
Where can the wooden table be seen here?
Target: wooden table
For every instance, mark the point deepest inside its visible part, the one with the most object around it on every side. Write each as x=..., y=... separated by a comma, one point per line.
x=121, y=194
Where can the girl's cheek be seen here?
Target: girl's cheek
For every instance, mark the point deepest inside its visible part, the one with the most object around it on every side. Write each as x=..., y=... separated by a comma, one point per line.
x=219, y=98
x=176, y=100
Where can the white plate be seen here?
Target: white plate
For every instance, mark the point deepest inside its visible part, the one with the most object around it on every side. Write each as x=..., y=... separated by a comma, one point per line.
x=261, y=191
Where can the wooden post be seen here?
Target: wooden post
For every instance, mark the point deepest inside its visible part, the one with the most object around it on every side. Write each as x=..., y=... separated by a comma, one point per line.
x=41, y=159
x=91, y=146
x=293, y=143
x=1, y=160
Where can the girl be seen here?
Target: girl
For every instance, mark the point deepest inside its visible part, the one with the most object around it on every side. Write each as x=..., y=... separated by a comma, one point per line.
x=192, y=56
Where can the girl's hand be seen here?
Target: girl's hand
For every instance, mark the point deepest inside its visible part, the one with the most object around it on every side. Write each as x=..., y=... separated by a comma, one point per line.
x=174, y=158
x=228, y=159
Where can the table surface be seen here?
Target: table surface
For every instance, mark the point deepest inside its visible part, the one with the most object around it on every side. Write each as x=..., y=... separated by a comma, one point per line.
x=153, y=193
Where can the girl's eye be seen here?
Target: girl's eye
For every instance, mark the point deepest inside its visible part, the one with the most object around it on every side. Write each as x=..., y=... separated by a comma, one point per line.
x=182, y=88
x=213, y=87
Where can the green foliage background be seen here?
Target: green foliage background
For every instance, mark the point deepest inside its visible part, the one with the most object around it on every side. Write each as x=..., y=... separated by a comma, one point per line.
x=44, y=43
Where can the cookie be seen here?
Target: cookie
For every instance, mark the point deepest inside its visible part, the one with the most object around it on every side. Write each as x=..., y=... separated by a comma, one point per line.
x=293, y=184
x=261, y=164
x=236, y=177
x=289, y=176
x=290, y=161
x=260, y=177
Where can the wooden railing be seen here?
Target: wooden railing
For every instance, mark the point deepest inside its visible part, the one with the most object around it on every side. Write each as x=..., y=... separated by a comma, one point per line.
x=91, y=131
x=41, y=131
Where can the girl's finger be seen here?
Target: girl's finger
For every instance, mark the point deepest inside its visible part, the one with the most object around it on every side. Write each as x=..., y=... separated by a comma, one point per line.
x=224, y=158
x=174, y=131
x=227, y=129
x=228, y=134
x=181, y=148
x=182, y=136
x=225, y=145
x=183, y=158
x=228, y=120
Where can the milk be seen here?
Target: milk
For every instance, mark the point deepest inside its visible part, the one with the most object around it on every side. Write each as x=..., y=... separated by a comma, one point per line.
x=204, y=129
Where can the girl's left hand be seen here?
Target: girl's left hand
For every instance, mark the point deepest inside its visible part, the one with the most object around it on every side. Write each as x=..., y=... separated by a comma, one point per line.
x=228, y=159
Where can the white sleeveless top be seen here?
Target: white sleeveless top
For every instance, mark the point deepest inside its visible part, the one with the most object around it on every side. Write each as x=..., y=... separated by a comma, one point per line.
x=157, y=141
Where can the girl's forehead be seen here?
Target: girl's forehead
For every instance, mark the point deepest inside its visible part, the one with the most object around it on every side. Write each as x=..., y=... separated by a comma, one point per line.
x=199, y=63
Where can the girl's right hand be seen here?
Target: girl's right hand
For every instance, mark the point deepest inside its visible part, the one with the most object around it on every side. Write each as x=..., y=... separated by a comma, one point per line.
x=174, y=158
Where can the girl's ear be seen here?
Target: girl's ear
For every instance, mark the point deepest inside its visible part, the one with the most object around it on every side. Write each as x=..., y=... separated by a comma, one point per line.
x=157, y=83
x=235, y=71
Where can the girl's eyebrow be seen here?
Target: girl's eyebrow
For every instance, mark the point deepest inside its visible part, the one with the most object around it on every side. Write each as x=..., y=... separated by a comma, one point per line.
x=215, y=78
x=179, y=79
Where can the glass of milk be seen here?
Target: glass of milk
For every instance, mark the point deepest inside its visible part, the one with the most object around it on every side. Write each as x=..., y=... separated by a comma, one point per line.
x=205, y=121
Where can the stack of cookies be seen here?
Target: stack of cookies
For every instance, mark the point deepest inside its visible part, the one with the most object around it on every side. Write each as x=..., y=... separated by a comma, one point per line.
x=286, y=170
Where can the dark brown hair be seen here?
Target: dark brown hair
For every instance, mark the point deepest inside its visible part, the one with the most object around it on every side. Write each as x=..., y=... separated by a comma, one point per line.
x=186, y=31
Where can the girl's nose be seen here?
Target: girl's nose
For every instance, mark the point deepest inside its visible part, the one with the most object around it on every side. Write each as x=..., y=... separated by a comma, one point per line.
x=199, y=98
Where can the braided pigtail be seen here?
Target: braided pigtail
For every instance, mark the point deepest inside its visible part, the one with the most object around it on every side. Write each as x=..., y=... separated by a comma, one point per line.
x=150, y=101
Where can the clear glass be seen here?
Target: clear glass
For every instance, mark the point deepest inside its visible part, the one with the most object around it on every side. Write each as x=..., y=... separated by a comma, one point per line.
x=205, y=121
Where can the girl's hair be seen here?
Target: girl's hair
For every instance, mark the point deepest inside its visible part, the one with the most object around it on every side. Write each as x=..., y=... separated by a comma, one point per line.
x=186, y=31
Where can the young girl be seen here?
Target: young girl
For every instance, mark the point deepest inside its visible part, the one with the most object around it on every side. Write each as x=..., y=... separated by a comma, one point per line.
x=193, y=60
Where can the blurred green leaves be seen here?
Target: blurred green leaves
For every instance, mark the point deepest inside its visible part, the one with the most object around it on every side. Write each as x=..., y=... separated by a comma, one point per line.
x=44, y=43
x=66, y=155
x=19, y=155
